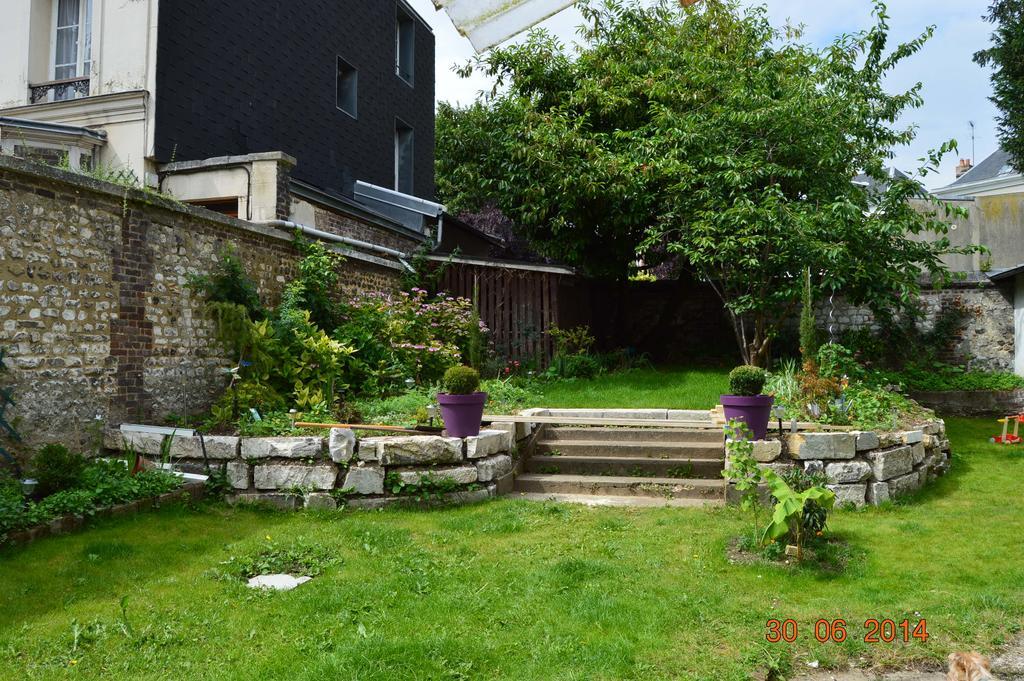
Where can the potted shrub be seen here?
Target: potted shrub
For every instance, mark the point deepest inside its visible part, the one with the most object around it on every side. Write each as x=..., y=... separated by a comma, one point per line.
x=746, y=403
x=462, y=403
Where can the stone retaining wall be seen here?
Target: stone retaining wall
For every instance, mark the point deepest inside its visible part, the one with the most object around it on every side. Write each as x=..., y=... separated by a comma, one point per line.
x=972, y=402
x=342, y=469
x=862, y=467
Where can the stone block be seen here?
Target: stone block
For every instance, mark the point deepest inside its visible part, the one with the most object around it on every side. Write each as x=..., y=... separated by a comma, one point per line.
x=778, y=467
x=889, y=440
x=365, y=479
x=891, y=463
x=766, y=451
x=850, y=494
x=239, y=474
x=912, y=437
x=488, y=443
x=878, y=493
x=906, y=484
x=848, y=472
x=917, y=453
x=420, y=450
x=867, y=440
x=274, y=476
x=823, y=446
x=813, y=467
x=218, y=447
x=494, y=467
x=341, y=445
x=462, y=475
x=320, y=501
x=369, y=448
x=285, y=502
x=282, y=447
x=143, y=443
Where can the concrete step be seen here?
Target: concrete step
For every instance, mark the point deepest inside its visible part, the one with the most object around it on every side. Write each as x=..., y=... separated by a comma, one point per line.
x=637, y=450
x=644, y=502
x=708, y=469
x=574, y=433
x=599, y=485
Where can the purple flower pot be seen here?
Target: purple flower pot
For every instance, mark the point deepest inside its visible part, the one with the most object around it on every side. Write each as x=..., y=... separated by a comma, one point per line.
x=755, y=411
x=462, y=414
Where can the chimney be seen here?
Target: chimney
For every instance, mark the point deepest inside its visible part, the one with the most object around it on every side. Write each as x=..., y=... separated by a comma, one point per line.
x=965, y=165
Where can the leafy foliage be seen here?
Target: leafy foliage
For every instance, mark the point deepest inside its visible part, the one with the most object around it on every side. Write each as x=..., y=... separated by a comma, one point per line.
x=789, y=519
x=1006, y=56
x=229, y=283
x=808, y=326
x=99, y=484
x=57, y=469
x=747, y=381
x=461, y=381
x=706, y=135
x=300, y=557
x=7, y=431
x=429, y=487
x=743, y=471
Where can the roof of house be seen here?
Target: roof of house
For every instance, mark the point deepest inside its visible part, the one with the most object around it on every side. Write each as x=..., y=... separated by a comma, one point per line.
x=873, y=185
x=26, y=125
x=997, y=165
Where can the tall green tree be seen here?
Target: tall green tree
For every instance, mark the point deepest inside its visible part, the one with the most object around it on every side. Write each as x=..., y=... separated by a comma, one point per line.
x=1006, y=56
x=707, y=134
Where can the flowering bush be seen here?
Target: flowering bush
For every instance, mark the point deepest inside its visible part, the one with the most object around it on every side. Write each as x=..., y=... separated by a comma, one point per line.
x=409, y=334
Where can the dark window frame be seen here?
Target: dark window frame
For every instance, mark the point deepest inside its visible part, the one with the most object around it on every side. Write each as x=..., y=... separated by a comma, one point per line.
x=347, y=77
x=405, y=44
x=405, y=177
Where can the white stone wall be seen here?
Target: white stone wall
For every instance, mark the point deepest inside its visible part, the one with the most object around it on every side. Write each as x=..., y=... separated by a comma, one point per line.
x=863, y=467
x=318, y=472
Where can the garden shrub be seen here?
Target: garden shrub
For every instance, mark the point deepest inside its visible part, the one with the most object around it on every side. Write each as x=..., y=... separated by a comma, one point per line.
x=100, y=484
x=747, y=381
x=7, y=431
x=575, y=366
x=229, y=283
x=461, y=381
x=57, y=469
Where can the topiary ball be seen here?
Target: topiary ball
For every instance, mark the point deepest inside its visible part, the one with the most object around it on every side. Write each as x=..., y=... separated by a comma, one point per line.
x=461, y=381
x=747, y=381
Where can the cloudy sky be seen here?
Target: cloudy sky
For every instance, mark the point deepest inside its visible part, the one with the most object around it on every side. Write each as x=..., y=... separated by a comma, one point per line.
x=955, y=89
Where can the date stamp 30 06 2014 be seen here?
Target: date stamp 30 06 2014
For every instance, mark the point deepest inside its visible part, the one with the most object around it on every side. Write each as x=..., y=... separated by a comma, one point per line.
x=837, y=631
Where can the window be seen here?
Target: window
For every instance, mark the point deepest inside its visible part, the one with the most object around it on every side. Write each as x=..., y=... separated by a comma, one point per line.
x=405, y=46
x=348, y=88
x=72, y=43
x=403, y=158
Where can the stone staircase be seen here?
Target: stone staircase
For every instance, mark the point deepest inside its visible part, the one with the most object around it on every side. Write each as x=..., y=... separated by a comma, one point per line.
x=626, y=466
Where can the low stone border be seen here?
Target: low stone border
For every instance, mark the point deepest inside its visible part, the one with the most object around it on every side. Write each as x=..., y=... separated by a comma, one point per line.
x=862, y=467
x=972, y=402
x=193, y=491
x=343, y=469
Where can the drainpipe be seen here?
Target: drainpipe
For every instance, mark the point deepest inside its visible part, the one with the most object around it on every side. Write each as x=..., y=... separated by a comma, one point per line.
x=327, y=236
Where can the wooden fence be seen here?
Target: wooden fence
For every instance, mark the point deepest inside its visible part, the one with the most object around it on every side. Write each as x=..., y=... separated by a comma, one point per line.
x=519, y=306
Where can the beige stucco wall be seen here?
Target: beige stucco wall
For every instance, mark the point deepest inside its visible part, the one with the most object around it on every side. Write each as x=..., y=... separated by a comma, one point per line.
x=124, y=61
x=996, y=222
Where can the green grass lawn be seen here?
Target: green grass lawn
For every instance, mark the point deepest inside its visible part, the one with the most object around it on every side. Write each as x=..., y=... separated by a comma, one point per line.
x=640, y=389
x=515, y=590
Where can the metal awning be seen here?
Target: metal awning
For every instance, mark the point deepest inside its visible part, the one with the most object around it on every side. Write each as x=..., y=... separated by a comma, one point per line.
x=489, y=22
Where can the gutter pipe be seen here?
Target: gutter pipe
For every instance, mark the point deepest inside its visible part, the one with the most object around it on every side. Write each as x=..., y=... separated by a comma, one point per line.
x=327, y=236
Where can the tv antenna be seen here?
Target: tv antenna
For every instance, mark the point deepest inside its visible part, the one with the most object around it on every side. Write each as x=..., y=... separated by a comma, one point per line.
x=971, y=123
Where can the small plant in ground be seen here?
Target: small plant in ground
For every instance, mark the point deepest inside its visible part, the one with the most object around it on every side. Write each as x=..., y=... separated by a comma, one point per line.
x=461, y=381
x=743, y=470
x=301, y=557
x=789, y=518
x=429, y=487
x=747, y=381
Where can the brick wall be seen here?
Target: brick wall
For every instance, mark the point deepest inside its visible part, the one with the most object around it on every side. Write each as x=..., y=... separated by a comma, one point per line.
x=94, y=307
